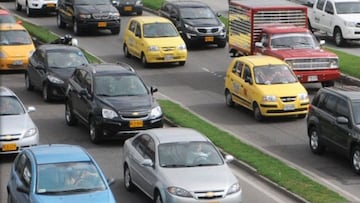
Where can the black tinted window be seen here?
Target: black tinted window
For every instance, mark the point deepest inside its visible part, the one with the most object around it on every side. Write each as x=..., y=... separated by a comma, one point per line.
x=342, y=108
x=356, y=111
x=330, y=104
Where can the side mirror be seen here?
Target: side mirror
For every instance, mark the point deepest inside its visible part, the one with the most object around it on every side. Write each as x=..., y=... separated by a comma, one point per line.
x=153, y=89
x=259, y=45
x=147, y=162
x=31, y=109
x=322, y=42
x=228, y=158
x=342, y=120
x=111, y=181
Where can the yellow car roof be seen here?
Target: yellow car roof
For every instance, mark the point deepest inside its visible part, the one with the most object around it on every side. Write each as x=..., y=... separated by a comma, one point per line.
x=151, y=19
x=260, y=60
x=11, y=26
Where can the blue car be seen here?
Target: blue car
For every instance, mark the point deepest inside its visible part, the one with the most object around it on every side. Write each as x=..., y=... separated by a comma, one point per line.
x=57, y=173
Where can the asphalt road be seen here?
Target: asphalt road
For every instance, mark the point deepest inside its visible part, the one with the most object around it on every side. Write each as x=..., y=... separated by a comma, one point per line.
x=198, y=86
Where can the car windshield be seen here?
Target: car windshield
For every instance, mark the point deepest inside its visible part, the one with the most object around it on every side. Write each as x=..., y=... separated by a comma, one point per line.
x=70, y=177
x=92, y=2
x=274, y=74
x=119, y=85
x=154, y=30
x=65, y=59
x=188, y=154
x=196, y=13
x=294, y=41
x=356, y=111
x=347, y=7
x=10, y=105
x=14, y=37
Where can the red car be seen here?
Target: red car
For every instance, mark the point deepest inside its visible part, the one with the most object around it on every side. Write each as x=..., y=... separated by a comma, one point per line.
x=7, y=17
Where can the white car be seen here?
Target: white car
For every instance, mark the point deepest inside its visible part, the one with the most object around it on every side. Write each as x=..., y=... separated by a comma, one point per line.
x=36, y=6
x=17, y=130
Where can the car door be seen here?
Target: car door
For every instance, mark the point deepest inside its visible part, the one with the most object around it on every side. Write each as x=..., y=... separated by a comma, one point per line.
x=138, y=40
x=247, y=86
x=327, y=19
x=41, y=69
x=32, y=71
x=327, y=117
x=233, y=78
x=130, y=36
x=74, y=91
x=318, y=13
x=86, y=97
x=21, y=175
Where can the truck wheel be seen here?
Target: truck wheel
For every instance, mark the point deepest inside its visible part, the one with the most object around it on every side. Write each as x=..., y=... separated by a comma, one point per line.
x=355, y=159
x=314, y=141
x=338, y=38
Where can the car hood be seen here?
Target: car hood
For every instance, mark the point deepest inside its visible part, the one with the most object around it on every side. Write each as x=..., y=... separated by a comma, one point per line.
x=302, y=53
x=351, y=17
x=129, y=103
x=165, y=41
x=15, y=51
x=15, y=124
x=280, y=90
x=62, y=73
x=93, y=197
x=200, y=178
x=202, y=22
x=96, y=9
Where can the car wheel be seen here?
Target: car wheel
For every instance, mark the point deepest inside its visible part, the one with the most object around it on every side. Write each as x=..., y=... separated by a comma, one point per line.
x=143, y=60
x=115, y=31
x=28, y=84
x=94, y=133
x=314, y=141
x=9, y=199
x=129, y=186
x=46, y=93
x=126, y=51
x=338, y=38
x=257, y=113
x=221, y=44
x=77, y=30
x=69, y=115
x=157, y=197
x=60, y=23
x=355, y=159
x=29, y=11
x=18, y=7
x=182, y=63
x=228, y=99
x=139, y=13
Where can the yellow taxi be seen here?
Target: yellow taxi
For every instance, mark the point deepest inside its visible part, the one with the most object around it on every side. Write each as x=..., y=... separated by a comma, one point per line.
x=154, y=39
x=265, y=85
x=16, y=46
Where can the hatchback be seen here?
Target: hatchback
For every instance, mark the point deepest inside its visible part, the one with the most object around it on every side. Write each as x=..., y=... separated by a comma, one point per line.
x=58, y=173
x=179, y=165
x=17, y=130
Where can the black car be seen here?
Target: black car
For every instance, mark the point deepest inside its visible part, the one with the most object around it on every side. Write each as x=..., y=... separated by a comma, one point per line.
x=196, y=22
x=112, y=100
x=49, y=68
x=334, y=122
x=128, y=7
x=85, y=15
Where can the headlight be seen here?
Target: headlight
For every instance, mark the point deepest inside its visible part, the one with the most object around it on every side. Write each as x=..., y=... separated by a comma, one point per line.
x=156, y=112
x=115, y=15
x=182, y=47
x=234, y=188
x=303, y=96
x=269, y=98
x=31, y=132
x=189, y=27
x=179, y=192
x=334, y=63
x=350, y=24
x=55, y=80
x=84, y=16
x=108, y=113
x=153, y=48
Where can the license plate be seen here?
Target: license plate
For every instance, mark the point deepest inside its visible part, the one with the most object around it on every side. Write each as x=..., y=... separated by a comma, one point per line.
x=51, y=5
x=312, y=78
x=136, y=123
x=17, y=62
x=102, y=24
x=168, y=57
x=289, y=107
x=9, y=147
x=209, y=39
x=127, y=8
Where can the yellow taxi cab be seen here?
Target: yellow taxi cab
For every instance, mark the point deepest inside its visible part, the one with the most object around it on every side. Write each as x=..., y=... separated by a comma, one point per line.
x=265, y=85
x=16, y=46
x=154, y=39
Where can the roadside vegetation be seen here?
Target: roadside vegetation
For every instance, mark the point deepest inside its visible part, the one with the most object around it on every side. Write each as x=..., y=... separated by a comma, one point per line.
x=266, y=165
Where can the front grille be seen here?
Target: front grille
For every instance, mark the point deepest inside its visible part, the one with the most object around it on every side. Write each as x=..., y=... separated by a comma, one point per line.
x=8, y=138
x=207, y=195
x=288, y=99
x=311, y=63
x=101, y=16
x=168, y=48
x=208, y=30
x=134, y=115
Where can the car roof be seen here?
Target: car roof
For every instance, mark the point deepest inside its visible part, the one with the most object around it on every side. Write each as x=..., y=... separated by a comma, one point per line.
x=109, y=68
x=4, y=12
x=4, y=91
x=188, y=3
x=285, y=29
x=176, y=134
x=151, y=19
x=350, y=92
x=260, y=60
x=58, y=47
x=11, y=26
x=58, y=153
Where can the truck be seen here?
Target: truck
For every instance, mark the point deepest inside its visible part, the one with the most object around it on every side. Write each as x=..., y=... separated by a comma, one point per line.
x=279, y=28
x=339, y=19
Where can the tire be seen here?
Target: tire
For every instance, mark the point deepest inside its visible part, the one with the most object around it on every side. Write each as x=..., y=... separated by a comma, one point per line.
x=129, y=186
x=330, y=83
x=28, y=84
x=60, y=23
x=338, y=38
x=139, y=13
x=29, y=11
x=221, y=44
x=144, y=61
x=69, y=115
x=115, y=31
x=9, y=199
x=257, y=113
x=94, y=133
x=228, y=99
x=315, y=144
x=182, y=63
x=46, y=93
x=18, y=7
x=157, y=197
x=76, y=29
x=126, y=51
x=355, y=159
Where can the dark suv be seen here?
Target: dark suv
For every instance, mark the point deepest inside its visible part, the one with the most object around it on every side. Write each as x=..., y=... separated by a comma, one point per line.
x=83, y=15
x=196, y=22
x=127, y=7
x=334, y=122
x=112, y=100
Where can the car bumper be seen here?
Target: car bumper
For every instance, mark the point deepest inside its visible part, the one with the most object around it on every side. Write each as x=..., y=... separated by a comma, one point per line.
x=351, y=33
x=56, y=91
x=166, y=57
x=48, y=7
x=317, y=76
x=99, y=24
x=280, y=109
x=204, y=39
x=233, y=198
x=19, y=144
x=14, y=63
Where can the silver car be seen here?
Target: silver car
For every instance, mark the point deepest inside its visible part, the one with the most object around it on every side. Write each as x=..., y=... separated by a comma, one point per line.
x=17, y=130
x=179, y=165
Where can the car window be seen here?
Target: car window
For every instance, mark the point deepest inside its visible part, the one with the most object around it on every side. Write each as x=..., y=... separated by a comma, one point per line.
x=247, y=72
x=329, y=8
x=132, y=26
x=10, y=105
x=347, y=7
x=14, y=37
x=238, y=67
x=27, y=174
x=65, y=59
x=356, y=111
x=141, y=145
x=119, y=85
x=329, y=104
x=152, y=30
x=320, y=4
x=138, y=30
x=342, y=108
x=23, y=169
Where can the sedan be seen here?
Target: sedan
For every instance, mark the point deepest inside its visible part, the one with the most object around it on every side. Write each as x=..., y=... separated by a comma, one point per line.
x=17, y=130
x=179, y=165
x=50, y=67
x=57, y=173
